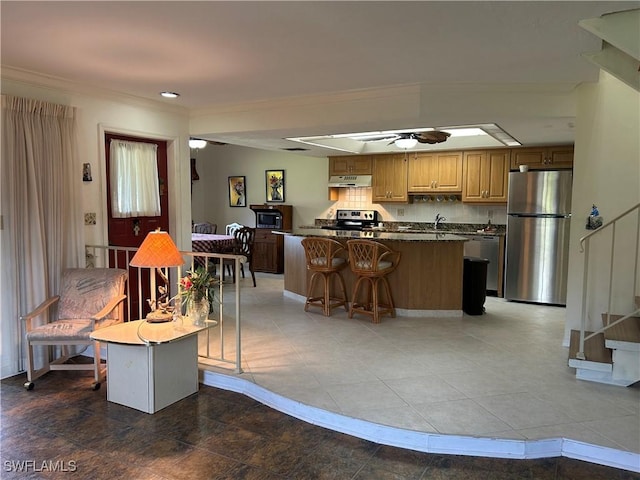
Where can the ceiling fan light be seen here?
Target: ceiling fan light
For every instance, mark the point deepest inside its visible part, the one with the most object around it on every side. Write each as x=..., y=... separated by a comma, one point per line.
x=406, y=142
x=196, y=143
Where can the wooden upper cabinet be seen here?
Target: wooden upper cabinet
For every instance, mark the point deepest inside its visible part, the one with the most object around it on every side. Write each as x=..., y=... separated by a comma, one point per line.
x=542, y=158
x=486, y=176
x=389, y=180
x=430, y=172
x=350, y=165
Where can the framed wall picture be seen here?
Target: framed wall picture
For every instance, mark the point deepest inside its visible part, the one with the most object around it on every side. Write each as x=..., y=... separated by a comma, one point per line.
x=86, y=172
x=275, y=185
x=237, y=191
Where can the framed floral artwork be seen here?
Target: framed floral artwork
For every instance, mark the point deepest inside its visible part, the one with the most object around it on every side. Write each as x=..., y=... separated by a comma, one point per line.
x=275, y=185
x=237, y=192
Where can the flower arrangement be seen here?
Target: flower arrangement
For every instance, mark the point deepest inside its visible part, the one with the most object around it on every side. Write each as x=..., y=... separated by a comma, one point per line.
x=239, y=188
x=275, y=181
x=197, y=284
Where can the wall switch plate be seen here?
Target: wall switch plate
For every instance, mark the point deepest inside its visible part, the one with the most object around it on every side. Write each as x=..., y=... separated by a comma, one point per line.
x=400, y=212
x=90, y=218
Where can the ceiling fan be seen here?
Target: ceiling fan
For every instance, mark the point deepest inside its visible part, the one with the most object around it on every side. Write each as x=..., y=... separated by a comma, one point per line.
x=407, y=139
x=431, y=137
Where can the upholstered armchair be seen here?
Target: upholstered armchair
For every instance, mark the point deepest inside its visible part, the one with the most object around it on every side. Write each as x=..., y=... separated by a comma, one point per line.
x=89, y=299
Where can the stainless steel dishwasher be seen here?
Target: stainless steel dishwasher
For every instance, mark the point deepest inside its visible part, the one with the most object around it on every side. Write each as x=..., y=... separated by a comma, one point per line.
x=485, y=246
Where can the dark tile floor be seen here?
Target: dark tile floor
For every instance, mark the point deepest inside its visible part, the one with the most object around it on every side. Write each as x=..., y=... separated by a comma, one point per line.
x=63, y=429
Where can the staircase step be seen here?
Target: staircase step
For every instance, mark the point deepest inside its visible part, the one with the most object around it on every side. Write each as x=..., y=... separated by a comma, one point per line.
x=603, y=377
x=598, y=357
x=625, y=335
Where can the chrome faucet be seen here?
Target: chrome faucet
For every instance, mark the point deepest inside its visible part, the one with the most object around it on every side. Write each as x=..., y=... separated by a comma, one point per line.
x=439, y=220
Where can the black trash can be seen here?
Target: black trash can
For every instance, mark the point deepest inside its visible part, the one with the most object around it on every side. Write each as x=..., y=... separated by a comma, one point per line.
x=474, y=285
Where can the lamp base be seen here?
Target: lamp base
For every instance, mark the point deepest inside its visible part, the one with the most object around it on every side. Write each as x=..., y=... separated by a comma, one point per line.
x=158, y=316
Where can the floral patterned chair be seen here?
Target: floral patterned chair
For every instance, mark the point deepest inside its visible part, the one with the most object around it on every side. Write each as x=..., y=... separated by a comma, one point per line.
x=90, y=298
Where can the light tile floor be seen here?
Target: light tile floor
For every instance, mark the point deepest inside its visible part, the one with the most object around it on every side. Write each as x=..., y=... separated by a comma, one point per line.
x=501, y=375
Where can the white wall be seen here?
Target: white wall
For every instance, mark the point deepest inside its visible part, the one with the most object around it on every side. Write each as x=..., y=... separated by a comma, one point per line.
x=606, y=173
x=305, y=183
x=99, y=112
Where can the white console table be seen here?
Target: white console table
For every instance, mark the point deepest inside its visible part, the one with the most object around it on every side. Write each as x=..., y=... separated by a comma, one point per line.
x=151, y=365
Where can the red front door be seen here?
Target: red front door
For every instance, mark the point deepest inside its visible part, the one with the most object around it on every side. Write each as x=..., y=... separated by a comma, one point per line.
x=130, y=232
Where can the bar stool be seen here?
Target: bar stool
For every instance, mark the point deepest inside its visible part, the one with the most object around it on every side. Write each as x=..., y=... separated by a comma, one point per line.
x=371, y=262
x=324, y=261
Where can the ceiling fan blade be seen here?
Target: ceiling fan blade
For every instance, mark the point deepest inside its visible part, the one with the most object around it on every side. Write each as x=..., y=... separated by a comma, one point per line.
x=433, y=136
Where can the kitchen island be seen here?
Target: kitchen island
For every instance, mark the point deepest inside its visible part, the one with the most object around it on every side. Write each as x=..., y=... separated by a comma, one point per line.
x=427, y=282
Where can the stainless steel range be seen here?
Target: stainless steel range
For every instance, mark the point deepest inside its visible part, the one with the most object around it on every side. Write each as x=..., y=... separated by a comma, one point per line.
x=354, y=220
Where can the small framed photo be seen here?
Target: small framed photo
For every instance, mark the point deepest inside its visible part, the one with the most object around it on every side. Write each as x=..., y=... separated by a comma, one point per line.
x=275, y=185
x=86, y=172
x=237, y=192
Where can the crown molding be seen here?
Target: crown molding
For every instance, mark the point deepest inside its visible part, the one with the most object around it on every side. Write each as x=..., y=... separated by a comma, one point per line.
x=311, y=100
x=68, y=87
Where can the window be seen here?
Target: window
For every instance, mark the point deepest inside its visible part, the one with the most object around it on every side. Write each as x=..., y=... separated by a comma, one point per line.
x=134, y=179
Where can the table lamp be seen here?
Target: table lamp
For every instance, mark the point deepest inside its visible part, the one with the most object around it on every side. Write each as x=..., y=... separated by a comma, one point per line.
x=156, y=252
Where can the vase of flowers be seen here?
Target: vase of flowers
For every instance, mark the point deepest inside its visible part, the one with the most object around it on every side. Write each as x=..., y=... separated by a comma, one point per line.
x=197, y=293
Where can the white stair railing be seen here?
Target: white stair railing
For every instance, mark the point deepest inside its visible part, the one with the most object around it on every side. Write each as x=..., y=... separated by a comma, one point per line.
x=584, y=247
x=119, y=257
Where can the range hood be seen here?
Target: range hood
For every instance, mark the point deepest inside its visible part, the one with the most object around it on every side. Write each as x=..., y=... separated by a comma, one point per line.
x=350, y=181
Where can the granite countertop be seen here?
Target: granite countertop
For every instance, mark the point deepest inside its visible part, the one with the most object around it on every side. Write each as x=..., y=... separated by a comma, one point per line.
x=424, y=228
x=315, y=231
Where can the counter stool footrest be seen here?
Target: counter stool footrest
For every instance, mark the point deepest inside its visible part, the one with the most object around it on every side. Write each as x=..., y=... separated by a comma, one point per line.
x=326, y=301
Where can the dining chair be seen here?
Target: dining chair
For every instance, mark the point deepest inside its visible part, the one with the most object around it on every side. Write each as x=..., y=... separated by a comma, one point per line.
x=232, y=227
x=89, y=299
x=245, y=237
x=205, y=227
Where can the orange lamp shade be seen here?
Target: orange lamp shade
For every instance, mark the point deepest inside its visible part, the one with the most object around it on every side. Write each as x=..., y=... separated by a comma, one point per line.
x=158, y=250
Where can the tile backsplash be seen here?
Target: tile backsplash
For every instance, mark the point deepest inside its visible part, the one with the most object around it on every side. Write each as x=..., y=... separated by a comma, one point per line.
x=419, y=211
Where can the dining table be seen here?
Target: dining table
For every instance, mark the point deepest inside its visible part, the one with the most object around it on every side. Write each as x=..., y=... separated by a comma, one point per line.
x=212, y=243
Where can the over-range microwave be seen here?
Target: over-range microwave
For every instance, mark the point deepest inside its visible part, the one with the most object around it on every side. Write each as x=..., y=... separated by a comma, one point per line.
x=271, y=219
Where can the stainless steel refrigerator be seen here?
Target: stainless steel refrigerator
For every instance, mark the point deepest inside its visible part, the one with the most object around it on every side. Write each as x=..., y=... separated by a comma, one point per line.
x=537, y=254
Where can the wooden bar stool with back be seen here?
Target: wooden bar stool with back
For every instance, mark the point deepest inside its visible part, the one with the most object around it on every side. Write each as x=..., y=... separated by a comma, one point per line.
x=371, y=262
x=324, y=259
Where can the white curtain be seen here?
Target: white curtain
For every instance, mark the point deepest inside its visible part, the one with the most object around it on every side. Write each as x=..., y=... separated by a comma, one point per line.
x=135, y=188
x=41, y=232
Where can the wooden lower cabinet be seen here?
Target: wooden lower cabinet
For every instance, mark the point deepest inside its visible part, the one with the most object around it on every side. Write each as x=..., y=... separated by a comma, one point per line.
x=428, y=277
x=268, y=252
